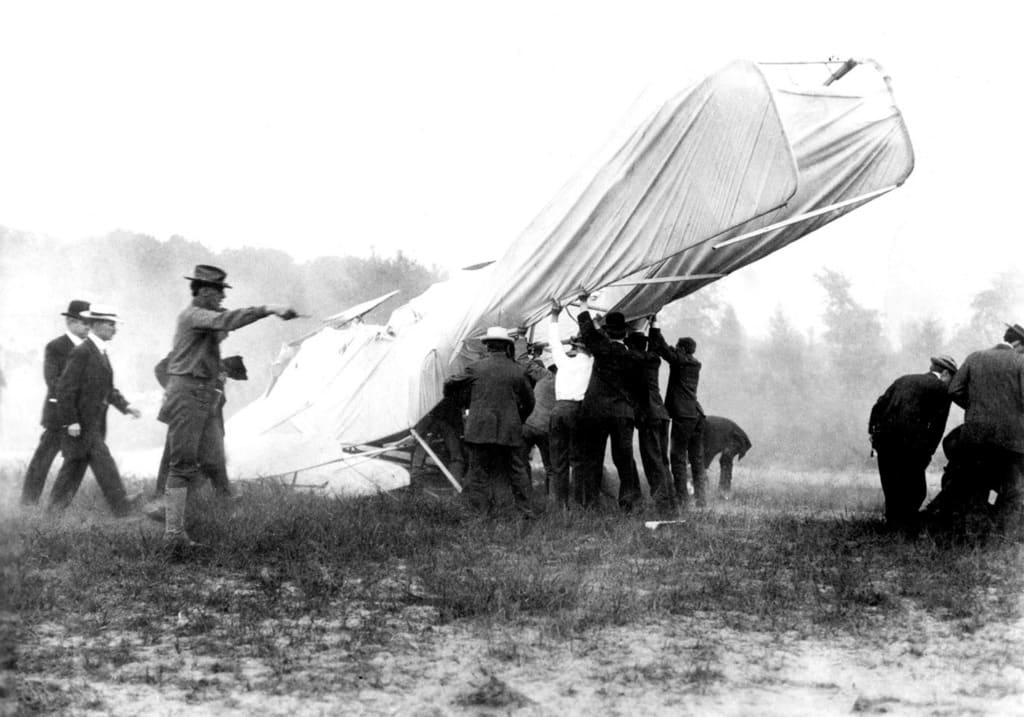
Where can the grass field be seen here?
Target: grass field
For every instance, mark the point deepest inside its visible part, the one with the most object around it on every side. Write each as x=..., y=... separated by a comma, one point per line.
x=790, y=599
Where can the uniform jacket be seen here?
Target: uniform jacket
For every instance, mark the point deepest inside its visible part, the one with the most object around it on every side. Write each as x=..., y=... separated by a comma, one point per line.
x=683, y=378
x=618, y=383
x=55, y=358
x=911, y=414
x=86, y=388
x=500, y=399
x=720, y=432
x=195, y=350
x=990, y=388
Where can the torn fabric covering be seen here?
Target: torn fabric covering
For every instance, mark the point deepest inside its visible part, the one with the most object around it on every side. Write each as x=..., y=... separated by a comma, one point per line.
x=850, y=141
x=722, y=157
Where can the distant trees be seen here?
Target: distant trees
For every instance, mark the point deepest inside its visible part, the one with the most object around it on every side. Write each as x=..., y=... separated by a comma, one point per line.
x=144, y=279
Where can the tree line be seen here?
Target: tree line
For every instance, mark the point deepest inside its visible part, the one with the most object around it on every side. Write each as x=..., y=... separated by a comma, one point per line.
x=804, y=399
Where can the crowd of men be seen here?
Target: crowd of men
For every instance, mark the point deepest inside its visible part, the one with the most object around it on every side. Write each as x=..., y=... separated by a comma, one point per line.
x=984, y=478
x=80, y=387
x=599, y=387
x=602, y=389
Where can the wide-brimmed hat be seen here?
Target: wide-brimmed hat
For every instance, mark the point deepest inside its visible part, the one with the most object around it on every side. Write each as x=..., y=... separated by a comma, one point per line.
x=1016, y=329
x=615, y=324
x=944, y=361
x=497, y=333
x=75, y=309
x=210, y=275
x=101, y=312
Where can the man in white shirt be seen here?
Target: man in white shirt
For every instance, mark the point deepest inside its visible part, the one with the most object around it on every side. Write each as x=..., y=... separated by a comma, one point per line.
x=571, y=381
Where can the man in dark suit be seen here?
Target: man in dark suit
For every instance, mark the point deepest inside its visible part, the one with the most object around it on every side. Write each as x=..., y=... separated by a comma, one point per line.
x=724, y=436
x=906, y=425
x=85, y=389
x=617, y=385
x=686, y=412
x=55, y=358
x=652, y=425
x=500, y=399
x=990, y=388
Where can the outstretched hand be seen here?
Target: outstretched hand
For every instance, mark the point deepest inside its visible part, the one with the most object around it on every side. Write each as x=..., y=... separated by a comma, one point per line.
x=285, y=312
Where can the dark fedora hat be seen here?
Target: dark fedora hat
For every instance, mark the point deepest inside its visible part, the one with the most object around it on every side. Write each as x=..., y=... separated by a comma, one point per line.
x=615, y=324
x=210, y=275
x=75, y=309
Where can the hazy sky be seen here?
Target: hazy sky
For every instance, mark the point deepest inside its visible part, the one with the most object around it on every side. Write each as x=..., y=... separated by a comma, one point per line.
x=442, y=128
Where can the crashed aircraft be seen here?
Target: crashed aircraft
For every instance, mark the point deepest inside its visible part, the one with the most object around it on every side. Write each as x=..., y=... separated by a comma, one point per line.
x=713, y=177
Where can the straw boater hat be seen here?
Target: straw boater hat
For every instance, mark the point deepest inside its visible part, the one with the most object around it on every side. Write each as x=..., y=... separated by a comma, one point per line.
x=75, y=309
x=497, y=333
x=101, y=312
x=210, y=275
x=944, y=361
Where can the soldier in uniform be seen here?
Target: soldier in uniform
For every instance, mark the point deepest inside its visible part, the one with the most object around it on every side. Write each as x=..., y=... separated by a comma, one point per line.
x=191, y=407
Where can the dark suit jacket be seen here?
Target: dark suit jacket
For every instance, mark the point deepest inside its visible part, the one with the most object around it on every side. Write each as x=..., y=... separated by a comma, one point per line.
x=683, y=378
x=86, y=388
x=911, y=414
x=721, y=432
x=55, y=358
x=652, y=408
x=990, y=387
x=618, y=382
x=500, y=399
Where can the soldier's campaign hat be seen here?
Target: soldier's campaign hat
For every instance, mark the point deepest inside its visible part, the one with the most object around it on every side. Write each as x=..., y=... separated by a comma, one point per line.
x=210, y=275
x=101, y=312
x=75, y=309
x=615, y=325
x=944, y=361
x=497, y=333
x=1014, y=332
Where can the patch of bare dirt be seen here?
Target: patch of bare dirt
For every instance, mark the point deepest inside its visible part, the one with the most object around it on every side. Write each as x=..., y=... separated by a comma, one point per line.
x=688, y=665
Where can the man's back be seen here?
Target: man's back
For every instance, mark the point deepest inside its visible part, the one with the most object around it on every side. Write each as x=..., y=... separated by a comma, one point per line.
x=990, y=387
x=912, y=412
x=500, y=400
